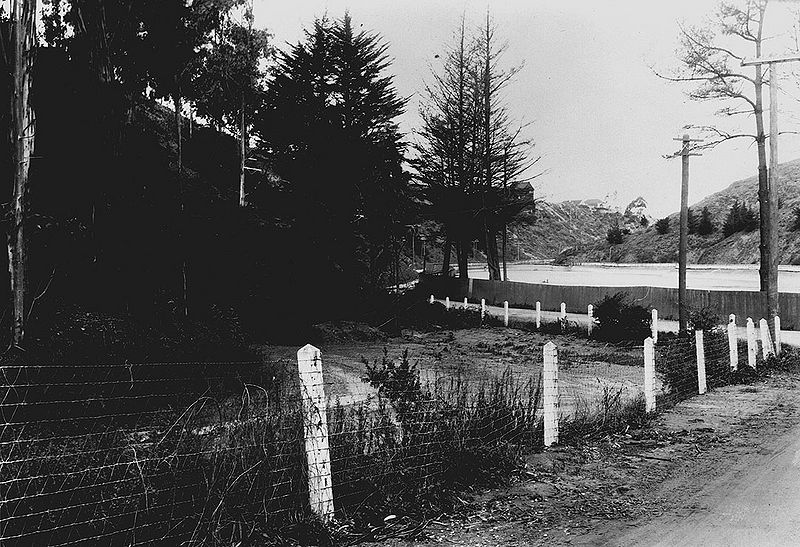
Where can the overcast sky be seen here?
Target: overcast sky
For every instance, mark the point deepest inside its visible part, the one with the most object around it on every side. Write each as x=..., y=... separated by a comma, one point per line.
x=601, y=119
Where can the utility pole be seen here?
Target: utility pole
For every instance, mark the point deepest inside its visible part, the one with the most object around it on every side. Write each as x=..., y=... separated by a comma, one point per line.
x=685, y=153
x=768, y=269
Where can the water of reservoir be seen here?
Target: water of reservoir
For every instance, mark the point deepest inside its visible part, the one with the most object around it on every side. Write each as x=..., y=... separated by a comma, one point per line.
x=698, y=276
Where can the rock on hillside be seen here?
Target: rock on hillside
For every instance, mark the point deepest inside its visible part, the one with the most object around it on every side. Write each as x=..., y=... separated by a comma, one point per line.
x=739, y=248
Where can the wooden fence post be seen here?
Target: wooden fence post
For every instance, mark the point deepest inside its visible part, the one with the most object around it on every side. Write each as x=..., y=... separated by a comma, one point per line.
x=447, y=302
x=315, y=429
x=505, y=313
x=733, y=346
x=777, y=335
x=654, y=325
x=766, y=339
x=550, y=403
x=538, y=315
x=752, y=345
x=590, y=313
x=649, y=375
x=701, y=362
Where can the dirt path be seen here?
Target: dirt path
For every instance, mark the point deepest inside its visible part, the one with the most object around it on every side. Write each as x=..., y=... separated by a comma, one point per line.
x=720, y=469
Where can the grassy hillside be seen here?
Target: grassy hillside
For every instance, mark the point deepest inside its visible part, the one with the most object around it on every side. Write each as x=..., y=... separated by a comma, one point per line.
x=563, y=227
x=739, y=248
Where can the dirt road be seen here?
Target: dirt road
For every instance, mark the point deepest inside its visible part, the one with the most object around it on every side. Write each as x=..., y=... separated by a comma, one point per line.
x=755, y=500
x=719, y=469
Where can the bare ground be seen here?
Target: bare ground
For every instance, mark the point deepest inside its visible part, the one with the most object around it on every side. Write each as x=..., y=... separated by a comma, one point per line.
x=719, y=469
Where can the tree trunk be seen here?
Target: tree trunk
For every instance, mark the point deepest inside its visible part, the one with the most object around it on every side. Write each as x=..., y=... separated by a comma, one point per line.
x=181, y=216
x=463, y=259
x=448, y=246
x=22, y=137
x=243, y=155
x=492, y=260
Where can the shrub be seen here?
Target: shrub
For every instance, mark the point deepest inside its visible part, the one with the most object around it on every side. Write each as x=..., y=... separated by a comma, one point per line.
x=619, y=319
x=662, y=225
x=614, y=235
x=704, y=318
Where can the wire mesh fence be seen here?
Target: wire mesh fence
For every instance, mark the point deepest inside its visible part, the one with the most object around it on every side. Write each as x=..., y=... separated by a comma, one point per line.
x=194, y=453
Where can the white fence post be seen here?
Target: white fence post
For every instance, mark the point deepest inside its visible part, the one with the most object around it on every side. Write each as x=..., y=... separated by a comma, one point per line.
x=590, y=313
x=505, y=313
x=315, y=429
x=766, y=339
x=733, y=347
x=752, y=345
x=777, y=335
x=550, y=377
x=447, y=302
x=431, y=300
x=563, y=312
x=654, y=325
x=466, y=301
x=538, y=315
x=483, y=308
x=701, y=362
x=649, y=375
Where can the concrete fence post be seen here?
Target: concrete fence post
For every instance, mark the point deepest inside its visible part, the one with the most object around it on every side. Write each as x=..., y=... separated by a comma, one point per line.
x=649, y=375
x=701, y=362
x=752, y=345
x=766, y=339
x=431, y=300
x=654, y=325
x=550, y=403
x=505, y=313
x=777, y=335
x=590, y=313
x=447, y=302
x=483, y=308
x=538, y=315
x=315, y=430
x=733, y=346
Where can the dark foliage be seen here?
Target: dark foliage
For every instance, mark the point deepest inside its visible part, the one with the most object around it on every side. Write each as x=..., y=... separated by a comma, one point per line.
x=328, y=126
x=795, y=219
x=614, y=235
x=740, y=218
x=704, y=318
x=620, y=319
x=705, y=225
x=662, y=225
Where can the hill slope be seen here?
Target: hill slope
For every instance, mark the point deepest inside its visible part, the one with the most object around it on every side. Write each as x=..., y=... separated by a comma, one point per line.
x=566, y=227
x=739, y=248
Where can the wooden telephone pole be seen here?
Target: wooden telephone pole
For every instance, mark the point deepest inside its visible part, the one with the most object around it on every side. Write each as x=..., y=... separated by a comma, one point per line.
x=685, y=152
x=768, y=203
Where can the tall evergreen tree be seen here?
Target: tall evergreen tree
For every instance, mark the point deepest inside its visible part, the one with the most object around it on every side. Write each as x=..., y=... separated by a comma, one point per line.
x=329, y=127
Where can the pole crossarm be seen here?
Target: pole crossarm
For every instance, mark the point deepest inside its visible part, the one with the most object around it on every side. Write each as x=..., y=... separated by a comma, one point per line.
x=771, y=60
